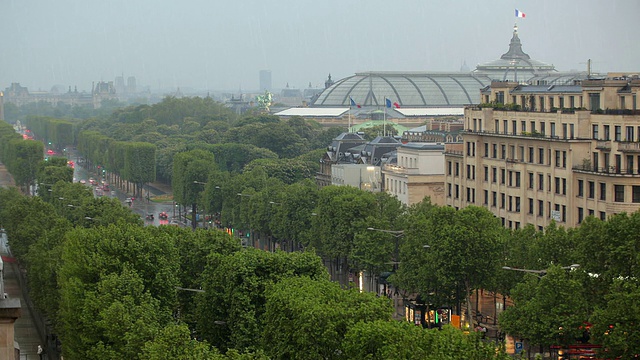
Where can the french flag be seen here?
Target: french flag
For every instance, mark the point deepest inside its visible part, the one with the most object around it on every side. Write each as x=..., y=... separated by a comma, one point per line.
x=520, y=14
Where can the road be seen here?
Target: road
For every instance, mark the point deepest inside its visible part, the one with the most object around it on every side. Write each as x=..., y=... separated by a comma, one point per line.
x=139, y=206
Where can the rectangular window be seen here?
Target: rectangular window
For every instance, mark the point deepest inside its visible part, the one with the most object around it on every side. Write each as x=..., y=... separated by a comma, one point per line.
x=530, y=180
x=543, y=129
x=572, y=101
x=572, y=131
x=603, y=215
x=553, y=129
x=496, y=126
x=457, y=173
x=533, y=126
x=540, y=208
x=502, y=176
x=502, y=200
x=580, y=188
x=540, y=156
x=564, y=186
x=540, y=182
x=495, y=150
x=531, y=155
x=603, y=191
x=521, y=153
x=530, y=206
x=595, y=132
x=618, y=193
x=557, y=182
x=607, y=132
x=514, y=127
x=494, y=198
x=486, y=173
x=630, y=135
x=517, y=179
x=518, y=204
x=594, y=101
x=457, y=191
x=486, y=197
x=448, y=167
x=494, y=175
x=564, y=159
x=564, y=131
x=617, y=133
x=449, y=190
x=580, y=215
x=510, y=208
x=636, y=194
x=503, y=152
x=510, y=174
x=523, y=126
x=505, y=126
x=558, y=158
x=486, y=149
x=592, y=190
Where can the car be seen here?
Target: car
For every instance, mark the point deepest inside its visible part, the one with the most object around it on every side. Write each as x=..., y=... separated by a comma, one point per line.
x=163, y=215
x=149, y=217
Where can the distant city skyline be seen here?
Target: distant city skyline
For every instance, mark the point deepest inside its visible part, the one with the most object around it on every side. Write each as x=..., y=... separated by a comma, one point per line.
x=223, y=45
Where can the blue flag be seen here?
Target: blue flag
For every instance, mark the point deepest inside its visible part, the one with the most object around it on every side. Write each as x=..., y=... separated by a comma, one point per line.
x=387, y=102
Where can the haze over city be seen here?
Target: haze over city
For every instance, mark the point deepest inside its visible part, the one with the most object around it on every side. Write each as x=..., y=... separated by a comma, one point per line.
x=222, y=45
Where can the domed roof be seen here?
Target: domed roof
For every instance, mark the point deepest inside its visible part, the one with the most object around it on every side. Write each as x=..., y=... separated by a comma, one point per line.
x=514, y=65
x=408, y=89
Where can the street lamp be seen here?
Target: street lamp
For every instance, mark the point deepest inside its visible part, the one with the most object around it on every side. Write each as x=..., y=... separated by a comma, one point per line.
x=540, y=273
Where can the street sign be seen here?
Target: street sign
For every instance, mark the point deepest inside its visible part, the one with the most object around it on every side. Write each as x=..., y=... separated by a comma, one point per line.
x=519, y=347
x=555, y=215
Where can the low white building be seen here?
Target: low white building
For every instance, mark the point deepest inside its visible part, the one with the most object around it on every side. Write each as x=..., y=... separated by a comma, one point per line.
x=363, y=176
x=418, y=172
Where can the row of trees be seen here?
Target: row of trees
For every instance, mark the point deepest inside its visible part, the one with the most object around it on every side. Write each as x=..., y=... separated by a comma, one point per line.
x=130, y=161
x=21, y=157
x=467, y=250
x=96, y=271
x=57, y=133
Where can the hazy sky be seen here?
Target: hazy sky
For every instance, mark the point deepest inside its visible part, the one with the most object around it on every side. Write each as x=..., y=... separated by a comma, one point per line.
x=223, y=44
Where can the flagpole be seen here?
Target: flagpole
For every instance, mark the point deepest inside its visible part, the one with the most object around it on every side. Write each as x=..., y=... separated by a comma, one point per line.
x=349, y=117
x=384, y=119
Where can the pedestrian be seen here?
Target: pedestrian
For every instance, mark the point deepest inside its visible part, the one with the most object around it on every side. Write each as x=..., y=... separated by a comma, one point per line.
x=40, y=352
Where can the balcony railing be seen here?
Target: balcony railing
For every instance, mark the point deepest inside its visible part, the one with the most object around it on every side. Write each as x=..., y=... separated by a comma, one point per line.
x=611, y=170
x=629, y=146
x=603, y=145
x=531, y=135
x=454, y=152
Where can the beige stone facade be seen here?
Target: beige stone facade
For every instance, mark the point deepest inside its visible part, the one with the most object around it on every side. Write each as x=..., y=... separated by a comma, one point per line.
x=550, y=152
x=417, y=173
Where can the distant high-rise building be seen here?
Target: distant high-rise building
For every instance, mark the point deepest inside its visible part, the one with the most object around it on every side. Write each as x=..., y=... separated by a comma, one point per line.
x=131, y=84
x=119, y=85
x=265, y=80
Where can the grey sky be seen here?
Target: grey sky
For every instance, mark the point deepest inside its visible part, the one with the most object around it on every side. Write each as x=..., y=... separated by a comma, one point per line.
x=222, y=44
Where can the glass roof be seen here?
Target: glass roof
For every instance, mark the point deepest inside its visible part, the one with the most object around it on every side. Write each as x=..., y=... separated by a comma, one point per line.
x=407, y=89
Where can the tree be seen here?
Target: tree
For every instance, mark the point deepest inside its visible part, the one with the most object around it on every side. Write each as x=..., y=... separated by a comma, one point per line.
x=547, y=310
x=190, y=170
x=616, y=323
x=389, y=340
x=308, y=319
x=231, y=311
x=174, y=342
x=117, y=286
